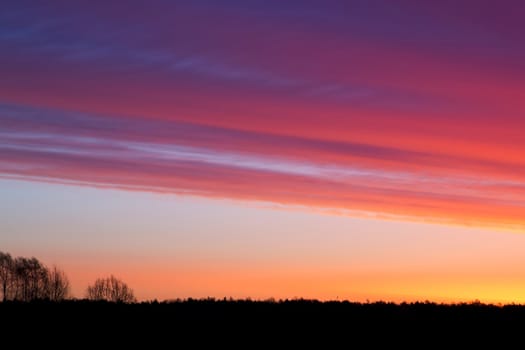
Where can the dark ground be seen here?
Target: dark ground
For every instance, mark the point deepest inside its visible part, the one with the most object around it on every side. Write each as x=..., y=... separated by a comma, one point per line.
x=251, y=324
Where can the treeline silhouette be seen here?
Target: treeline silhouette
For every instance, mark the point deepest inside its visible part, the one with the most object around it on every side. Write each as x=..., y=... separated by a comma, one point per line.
x=35, y=302
x=293, y=323
x=27, y=279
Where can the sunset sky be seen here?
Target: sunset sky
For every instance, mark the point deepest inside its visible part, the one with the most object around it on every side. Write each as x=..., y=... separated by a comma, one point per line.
x=357, y=150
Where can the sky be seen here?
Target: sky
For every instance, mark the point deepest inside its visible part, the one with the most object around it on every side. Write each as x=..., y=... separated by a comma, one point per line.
x=358, y=150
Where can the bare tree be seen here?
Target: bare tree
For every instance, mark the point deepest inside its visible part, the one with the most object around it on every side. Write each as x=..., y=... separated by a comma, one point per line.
x=97, y=291
x=27, y=279
x=58, y=284
x=32, y=279
x=110, y=289
x=21, y=282
x=6, y=274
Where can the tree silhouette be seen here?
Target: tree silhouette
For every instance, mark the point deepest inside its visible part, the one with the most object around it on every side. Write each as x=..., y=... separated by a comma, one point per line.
x=27, y=279
x=110, y=289
x=31, y=279
x=58, y=285
x=6, y=273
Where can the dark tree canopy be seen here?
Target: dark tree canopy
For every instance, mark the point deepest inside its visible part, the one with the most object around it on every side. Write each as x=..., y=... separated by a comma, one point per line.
x=6, y=273
x=27, y=279
x=110, y=289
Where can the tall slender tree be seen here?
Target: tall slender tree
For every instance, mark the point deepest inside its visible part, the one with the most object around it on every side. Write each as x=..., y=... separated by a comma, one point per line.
x=58, y=288
x=6, y=274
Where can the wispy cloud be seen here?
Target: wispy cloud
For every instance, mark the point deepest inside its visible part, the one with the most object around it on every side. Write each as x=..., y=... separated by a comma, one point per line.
x=179, y=157
x=395, y=115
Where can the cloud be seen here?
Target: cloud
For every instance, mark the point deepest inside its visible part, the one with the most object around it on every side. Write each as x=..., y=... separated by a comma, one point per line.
x=168, y=156
x=395, y=111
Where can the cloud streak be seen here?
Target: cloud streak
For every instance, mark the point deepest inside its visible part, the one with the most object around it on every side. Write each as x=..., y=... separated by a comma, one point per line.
x=372, y=111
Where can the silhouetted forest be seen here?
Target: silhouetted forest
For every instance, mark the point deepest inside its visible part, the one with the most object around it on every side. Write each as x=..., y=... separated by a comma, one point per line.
x=109, y=314
x=289, y=322
x=28, y=279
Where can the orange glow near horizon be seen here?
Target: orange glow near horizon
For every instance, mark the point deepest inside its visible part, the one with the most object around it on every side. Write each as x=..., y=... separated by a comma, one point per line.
x=316, y=149
x=261, y=283
x=260, y=250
